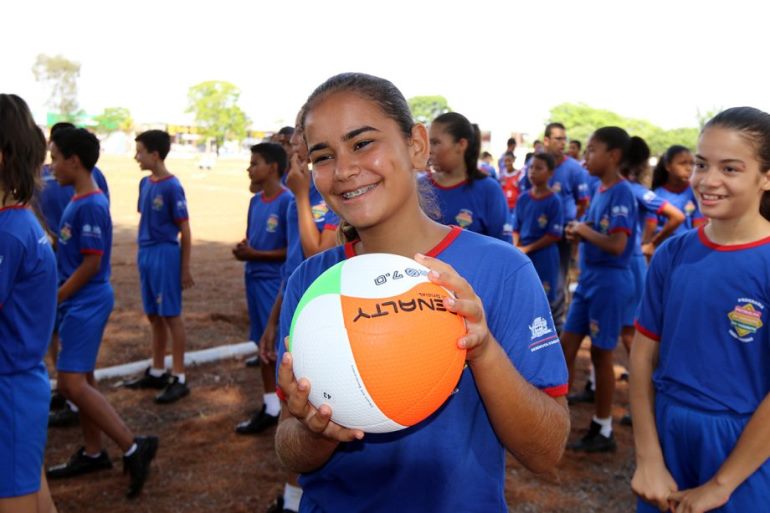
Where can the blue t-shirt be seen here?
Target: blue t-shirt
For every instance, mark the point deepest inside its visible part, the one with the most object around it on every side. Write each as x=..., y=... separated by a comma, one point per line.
x=612, y=210
x=684, y=201
x=570, y=182
x=325, y=219
x=452, y=461
x=708, y=307
x=163, y=206
x=649, y=204
x=537, y=217
x=477, y=205
x=266, y=229
x=54, y=197
x=27, y=290
x=85, y=228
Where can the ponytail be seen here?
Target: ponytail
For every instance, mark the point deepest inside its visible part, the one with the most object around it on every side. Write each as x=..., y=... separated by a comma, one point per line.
x=459, y=127
x=660, y=174
x=635, y=158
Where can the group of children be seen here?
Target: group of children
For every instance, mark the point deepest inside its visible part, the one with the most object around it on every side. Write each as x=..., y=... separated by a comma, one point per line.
x=697, y=372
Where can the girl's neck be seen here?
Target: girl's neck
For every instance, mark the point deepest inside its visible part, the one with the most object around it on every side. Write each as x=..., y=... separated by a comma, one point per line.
x=453, y=176
x=743, y=230
x=676, y=184
x=610, y=178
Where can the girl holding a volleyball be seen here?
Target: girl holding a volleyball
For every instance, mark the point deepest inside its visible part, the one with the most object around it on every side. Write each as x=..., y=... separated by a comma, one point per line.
x=366, y=151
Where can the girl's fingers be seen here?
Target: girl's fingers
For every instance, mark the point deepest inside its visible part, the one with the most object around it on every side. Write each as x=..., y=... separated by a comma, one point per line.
x=466, y=308
x=444, y=274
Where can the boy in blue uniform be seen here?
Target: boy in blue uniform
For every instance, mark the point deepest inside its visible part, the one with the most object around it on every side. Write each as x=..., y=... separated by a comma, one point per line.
x=604, y=295
x=365, y=149
x=264, y=251
x=537, y=223
x=164, y=264
x=700, y=387
x=85, y=302
x=27, y=312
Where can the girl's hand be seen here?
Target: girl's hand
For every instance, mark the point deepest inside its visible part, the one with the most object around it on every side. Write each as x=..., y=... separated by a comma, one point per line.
x=572, y=231
x=267, y=345
x=317, y=421
x=298, y=177
x=654, y=484
x=706, y=497
x=464, y=303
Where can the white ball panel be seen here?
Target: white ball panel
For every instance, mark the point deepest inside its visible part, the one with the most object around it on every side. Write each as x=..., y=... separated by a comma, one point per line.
x=378, y=275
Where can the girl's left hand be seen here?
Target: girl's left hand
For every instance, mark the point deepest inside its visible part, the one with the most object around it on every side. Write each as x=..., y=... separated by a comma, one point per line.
x=706, y=497
x=464, y=303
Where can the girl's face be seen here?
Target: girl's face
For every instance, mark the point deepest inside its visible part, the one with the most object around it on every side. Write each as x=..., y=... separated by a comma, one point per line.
x=363, y=165
x=727, y=178
x=259, y=170
x=446, y=154
x=61, y=167
x=598, y=159
x=680, y=167
x=538, y=172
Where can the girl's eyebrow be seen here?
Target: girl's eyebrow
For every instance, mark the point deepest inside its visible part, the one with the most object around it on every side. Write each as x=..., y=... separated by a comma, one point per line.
x=348, y=136
x=723, y=161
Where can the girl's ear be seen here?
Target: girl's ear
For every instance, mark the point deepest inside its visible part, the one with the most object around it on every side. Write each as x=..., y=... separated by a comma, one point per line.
x=420, y=146
x=764, y=183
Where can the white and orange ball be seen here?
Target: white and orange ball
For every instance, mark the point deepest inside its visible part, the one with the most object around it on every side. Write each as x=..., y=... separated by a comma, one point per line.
x=377, y=343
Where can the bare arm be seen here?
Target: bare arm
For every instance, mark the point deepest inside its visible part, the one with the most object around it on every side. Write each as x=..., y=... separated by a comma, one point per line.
x=87, y=269
x=244, y=252
x=613, y=243
x=185, y=242
x=543, y=242
x=312, y=241
x=674, y=217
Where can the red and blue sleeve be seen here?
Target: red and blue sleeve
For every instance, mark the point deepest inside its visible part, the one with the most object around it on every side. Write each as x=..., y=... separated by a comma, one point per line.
x=649, y=316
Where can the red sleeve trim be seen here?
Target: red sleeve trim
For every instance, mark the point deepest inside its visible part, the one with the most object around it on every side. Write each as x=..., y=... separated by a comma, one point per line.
x=280, y=393
x=551, y=235
x=557, y=391
x=618, y=230
x=331, y=227
x=660, y=210
x=644, y=331
x=91, y=252
x=181, y=220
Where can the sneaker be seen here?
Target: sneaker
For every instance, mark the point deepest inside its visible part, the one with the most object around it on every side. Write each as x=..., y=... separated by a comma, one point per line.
x=79, y=464
x=586, y=396
x=149, y=381
x=277, y=506
x=626, y=420
x=64, y=417
x=594, y=441
x=138, y=464
x=256, y=424
x=57, y=401
x=253, y=361
x=173, y=392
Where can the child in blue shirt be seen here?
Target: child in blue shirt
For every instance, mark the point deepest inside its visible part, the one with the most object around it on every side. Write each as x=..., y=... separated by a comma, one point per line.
x=164, y=264
x=85, y=301
x=700, y=382
x=671, y=182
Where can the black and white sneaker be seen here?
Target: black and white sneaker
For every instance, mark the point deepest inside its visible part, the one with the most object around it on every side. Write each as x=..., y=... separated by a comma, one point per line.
x=79, y=464
x=174, y=391
x=594, y=441
x=586, y=396
x=149, y=381
x=64, y=417
x=137, y=466
x=259, y=422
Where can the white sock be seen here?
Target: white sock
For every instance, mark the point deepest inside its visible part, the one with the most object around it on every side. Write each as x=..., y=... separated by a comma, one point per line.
x=156, y=373
x=592, y=377
x=272, y=404
x=606, y=425
x=182, y=378
x=291, y=497
x=131, y=450
x=72, y=406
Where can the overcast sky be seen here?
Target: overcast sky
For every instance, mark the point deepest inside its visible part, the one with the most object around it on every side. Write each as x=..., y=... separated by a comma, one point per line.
x=503, y=66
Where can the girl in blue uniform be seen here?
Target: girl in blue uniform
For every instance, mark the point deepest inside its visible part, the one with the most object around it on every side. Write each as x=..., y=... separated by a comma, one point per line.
x=466, y=196
x=604, y=295
x=538, y=223
x=365, y=149
x=27, y=312
x=671, y=181
x=700, y=377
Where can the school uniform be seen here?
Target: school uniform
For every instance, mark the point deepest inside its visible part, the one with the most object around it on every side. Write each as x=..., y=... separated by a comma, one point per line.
x=686, y=202
x=53, y=197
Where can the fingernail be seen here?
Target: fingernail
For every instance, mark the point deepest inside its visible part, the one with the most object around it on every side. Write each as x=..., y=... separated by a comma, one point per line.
x=419, y=256
x=433, y=274
x=449, y=301
x=461, y=343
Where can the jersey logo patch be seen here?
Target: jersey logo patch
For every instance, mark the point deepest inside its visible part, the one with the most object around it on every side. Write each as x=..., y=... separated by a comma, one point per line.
x=689, y=208
x=746, y=319
x=65, y=233
x=319, y=211
x=272, y=223
x=157, y=202
x=556, y=187
x=464, y=218
x=542, y=221
x=538, y=328
x=604, y=224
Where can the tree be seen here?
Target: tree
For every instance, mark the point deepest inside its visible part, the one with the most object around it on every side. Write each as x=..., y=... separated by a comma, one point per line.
x=581, y=121
x=61, y=74
x=114, y=119
x=215, y=105
x=427, y=108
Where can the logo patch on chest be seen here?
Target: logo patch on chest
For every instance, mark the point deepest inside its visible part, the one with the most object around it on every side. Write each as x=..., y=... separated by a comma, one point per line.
x=746, y=319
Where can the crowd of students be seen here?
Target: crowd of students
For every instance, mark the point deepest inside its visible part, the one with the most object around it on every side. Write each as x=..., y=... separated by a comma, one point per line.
x=356, y=175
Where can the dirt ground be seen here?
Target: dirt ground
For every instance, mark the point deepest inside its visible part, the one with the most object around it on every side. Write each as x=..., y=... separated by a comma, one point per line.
x=202, y=465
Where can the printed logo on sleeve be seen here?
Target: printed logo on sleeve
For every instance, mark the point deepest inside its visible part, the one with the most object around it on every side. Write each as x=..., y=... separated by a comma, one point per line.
x=746, y=319
x=649, y=196
x=541, y=334
x=272, y=223
x=464, y=218
x=620, y=211
x=92, y=231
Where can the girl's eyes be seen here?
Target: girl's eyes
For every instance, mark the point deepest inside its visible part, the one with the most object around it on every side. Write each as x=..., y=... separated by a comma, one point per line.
x=361, y=144
x=318, y=160
x=699, y=166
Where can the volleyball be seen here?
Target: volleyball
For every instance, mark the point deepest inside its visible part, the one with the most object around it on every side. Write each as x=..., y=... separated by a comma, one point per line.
x=377, y=343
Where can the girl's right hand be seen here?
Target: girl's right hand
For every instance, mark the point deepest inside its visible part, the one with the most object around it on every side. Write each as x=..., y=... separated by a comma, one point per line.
x=653, y=483
x=317, y=421
x=298, y=177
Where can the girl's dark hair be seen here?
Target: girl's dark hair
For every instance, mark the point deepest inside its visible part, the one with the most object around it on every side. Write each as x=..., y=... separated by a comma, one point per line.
x=22, y=145
x=634, y=151
x=635, y=159
x=389, y=99
x=660, y=173
x=459, y=127
x=272, y=153
x=754, y=125
x=550, y=162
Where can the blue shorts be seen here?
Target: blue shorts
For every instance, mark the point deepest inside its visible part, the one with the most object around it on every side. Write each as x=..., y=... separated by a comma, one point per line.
x=602, y=298
x=83, y=319
x=696, y=443
x=260, y=297
x=160, y=277
x=546, y=262
x=638, y=265
x=25, y=398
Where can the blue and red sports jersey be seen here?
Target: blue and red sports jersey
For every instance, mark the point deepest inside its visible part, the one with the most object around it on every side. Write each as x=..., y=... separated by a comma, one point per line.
x=477, y=205
x=325, y=219
x=649, y=204
x=708, y=306
x=686, y=202
x=570, y=182
x=266, y=229
x=612, y=210
x=163, y=206
x=27, y=290
x=376, y=473
x=85, y=228
x=537, y=217
x=54, y=197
